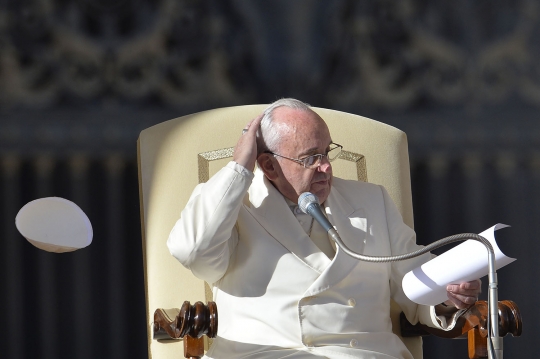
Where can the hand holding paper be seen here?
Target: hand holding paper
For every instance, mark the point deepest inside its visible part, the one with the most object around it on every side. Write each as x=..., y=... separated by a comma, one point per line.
x=427, y=284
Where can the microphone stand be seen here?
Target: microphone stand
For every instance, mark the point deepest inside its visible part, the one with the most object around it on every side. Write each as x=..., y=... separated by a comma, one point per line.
x=495, y=343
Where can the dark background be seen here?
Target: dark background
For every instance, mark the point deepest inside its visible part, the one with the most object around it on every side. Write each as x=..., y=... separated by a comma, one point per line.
x=79, y=80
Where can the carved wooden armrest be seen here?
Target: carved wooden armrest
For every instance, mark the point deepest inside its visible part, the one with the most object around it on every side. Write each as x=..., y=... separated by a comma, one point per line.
x=473, y=323
x=190, y=322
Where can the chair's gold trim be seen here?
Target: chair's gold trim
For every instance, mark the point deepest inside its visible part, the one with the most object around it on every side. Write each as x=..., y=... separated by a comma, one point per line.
x=360, y=160
x=205, y=158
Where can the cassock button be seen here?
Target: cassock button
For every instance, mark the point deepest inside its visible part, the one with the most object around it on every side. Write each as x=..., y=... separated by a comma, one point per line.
x=351, y=302
x=354, y=343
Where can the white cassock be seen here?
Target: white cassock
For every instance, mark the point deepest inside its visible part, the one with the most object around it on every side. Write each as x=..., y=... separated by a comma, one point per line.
x=278, y=294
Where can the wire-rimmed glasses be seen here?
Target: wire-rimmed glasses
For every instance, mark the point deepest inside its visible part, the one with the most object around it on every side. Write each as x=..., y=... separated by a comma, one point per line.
x=314, y=161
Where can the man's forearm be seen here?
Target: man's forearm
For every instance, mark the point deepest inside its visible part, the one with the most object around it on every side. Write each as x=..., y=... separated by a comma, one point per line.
x=204, y=235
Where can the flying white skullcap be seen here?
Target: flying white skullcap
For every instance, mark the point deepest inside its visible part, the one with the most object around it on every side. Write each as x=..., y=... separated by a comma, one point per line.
x=54, y=224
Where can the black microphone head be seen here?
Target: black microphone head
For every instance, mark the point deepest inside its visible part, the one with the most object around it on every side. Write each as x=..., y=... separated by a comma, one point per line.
x=305, y=200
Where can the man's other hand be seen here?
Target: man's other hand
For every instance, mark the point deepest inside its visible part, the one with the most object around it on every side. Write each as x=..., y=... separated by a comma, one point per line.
x=463, y=295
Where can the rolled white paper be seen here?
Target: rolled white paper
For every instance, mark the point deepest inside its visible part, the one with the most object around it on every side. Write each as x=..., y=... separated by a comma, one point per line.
x=468, y=261
x=54, y=224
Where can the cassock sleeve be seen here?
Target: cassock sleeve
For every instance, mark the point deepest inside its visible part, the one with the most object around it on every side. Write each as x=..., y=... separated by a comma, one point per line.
x=205, y=235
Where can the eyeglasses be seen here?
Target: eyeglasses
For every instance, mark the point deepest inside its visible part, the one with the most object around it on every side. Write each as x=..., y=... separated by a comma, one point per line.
x=314, y=161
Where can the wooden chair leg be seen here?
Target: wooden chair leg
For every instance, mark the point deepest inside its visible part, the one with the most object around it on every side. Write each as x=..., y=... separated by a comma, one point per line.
x=477, y=344
x=193, y=347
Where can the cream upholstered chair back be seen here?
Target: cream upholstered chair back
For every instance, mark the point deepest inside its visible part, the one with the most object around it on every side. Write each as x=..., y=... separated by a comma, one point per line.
x=176, y=155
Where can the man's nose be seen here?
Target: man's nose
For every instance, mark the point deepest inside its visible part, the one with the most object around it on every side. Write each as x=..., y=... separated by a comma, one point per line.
x=324, y=165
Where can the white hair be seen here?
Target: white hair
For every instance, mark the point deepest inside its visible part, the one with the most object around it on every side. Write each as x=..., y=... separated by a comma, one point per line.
x=270, y=132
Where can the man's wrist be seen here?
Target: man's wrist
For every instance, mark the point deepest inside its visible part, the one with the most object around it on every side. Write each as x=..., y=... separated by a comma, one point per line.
x=239, y=168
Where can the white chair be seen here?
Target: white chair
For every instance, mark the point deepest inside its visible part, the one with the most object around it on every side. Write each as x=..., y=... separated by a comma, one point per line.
x=176, y=155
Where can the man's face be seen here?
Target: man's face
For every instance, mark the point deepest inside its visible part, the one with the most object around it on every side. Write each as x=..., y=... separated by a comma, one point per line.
x=303, y=133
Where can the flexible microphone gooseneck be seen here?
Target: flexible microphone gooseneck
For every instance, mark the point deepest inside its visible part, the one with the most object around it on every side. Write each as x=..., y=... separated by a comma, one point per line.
x=309, y=204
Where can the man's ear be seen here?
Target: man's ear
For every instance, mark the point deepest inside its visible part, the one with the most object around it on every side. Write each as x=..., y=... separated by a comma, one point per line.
x=267, y=165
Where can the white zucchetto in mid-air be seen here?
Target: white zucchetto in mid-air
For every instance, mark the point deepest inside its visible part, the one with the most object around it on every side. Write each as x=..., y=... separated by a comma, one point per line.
x=54, y=224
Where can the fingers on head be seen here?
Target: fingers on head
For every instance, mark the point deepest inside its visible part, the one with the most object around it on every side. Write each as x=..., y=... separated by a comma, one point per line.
x=253, y=121
x=257, y=119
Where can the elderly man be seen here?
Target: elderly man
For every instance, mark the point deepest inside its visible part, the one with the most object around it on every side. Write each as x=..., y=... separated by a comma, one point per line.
x=282, y=287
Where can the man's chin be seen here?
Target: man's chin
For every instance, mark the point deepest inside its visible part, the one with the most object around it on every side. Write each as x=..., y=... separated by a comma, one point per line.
x=321, y=193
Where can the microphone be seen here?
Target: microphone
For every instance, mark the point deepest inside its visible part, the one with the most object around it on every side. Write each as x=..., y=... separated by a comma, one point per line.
x=309, y=204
